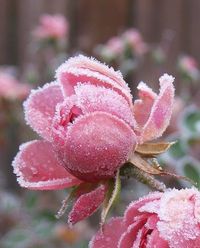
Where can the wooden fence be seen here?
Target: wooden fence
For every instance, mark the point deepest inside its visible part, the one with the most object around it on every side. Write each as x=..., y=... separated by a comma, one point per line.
x=94, y=21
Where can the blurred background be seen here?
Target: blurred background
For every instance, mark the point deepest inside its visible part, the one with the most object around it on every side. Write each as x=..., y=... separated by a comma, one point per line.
x=142, y=38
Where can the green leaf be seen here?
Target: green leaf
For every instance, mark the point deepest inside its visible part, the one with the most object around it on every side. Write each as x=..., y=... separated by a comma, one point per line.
x=111, y=197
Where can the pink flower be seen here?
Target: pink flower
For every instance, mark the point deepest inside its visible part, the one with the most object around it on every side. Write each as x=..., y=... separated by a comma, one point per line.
x=134, y=39
x=11, y=88
x=113, y=48
x=160, y=220
x=51, y=26
x=88, y=127
x=189, y=66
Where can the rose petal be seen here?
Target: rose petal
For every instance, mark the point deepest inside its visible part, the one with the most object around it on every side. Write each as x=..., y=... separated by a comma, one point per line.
x=81, y=69
x=133, y=209
x=161, y=111
x=110, y=236
x=38, y=168
x=127, y=239
x=86, y=205
x=91, y=98
x=154, y=240
x=142, y=107
x=40, y=108
x=97, y=145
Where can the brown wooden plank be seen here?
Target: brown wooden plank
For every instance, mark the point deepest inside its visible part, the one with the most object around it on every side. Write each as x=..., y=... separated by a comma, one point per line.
x=99, y=20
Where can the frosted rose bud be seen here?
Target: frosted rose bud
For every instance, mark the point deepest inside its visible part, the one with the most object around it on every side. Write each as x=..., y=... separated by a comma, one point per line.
x=88, y=129
x=51, y=26
x=163, y=220
x=86, y=122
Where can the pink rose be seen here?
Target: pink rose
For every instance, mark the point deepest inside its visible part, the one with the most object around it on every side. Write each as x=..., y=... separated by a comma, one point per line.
x=11, y=88
x=159, y=220
x=89, y=130
x=135, y=41
x=115, y=45
x=189, y=66
x=51, y=26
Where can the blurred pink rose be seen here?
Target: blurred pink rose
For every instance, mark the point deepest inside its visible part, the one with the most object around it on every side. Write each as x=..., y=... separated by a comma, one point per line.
x=89, y=129
x=11, y=88
x=51, y=26
x=159, y=220
x=134, y=39
x=188, y=65
x=115, y=45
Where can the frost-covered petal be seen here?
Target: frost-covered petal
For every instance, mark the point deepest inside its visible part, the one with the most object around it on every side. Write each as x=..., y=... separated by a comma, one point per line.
x=37, y=167
x=86, y=205
x=110, y=236
x=154, y=240
x=127, y=239
x=40, y=108
x=81, y=69
x=97, y=145
x=142, y=107
x=160, y=112
x=133, y=209
x=92, y=98
x=176, y=224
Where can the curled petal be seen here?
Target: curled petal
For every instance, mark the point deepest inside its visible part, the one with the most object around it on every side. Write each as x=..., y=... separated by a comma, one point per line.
x=86, y=205
x=142, y=107
x=92, y=98
x=133, y=209
x=37, y=167
x=127, y=239
x=161, y=111
x=154, y=240
x=40, y=107
x=81, y=69
x=97, y=145
x=110, y=236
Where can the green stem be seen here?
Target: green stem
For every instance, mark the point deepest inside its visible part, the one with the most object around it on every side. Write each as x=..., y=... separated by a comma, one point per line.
x=143, y=177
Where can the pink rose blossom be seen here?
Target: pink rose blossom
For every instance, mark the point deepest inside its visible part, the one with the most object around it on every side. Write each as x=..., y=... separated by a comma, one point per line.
x=134, y=39
x=160, y=220
x=11, y=88
x=115, y=45
x=89, y=130
x=51, y=26
x=189, y=65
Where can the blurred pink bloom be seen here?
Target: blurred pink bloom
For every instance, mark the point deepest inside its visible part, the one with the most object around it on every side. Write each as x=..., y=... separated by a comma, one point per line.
x=88, y=127
x=160, y=220
x=134, y=39
x=11, y=88
x=113, y=48
x=51, y=26
x=189, y=65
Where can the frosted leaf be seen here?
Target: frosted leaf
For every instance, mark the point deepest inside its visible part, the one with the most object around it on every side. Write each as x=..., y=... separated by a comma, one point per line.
x=37, y=167
x=40, y=107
